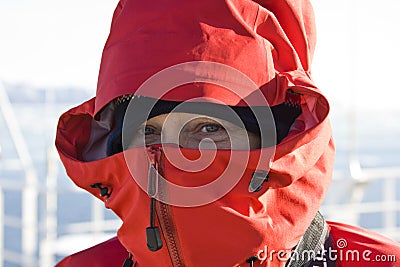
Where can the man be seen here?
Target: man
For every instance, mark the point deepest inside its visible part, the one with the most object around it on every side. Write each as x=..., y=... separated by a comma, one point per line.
x=209, y=139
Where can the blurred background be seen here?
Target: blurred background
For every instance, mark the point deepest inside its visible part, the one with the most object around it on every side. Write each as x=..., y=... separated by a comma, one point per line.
x=49, y=59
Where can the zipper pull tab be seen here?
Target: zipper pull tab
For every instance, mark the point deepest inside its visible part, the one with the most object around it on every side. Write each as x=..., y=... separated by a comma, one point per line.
x=154, y=155
x=153, y=235
x=257, y=179
x=152, y=187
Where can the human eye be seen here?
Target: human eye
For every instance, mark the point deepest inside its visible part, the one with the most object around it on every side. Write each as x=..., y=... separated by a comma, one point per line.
x=211, y=128
x=144, y=131
x=148, y=130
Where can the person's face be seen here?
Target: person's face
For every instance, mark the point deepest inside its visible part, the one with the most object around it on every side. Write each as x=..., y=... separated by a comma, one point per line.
x=195, y=131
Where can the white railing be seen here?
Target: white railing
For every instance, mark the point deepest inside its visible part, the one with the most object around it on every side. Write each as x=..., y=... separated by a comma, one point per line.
x=354, y=205
x=30, y=195
x=44, y=237
x=49, y=243
x=40, y=240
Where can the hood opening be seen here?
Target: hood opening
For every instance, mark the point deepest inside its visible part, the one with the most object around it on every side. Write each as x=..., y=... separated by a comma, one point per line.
x=291, y=117
x=284, y=116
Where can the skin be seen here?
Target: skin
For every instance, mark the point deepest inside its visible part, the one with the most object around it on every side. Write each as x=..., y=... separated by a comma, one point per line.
x=195, y=131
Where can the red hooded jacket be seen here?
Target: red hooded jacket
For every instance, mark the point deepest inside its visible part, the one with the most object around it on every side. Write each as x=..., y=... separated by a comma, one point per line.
x=271, y=43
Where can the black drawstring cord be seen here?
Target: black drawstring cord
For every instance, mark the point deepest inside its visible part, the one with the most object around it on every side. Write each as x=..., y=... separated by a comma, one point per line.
x=129, y=261
x=152, y=211
x=251, y=260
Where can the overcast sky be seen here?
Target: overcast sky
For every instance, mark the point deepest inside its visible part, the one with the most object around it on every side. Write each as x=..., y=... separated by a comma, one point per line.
x=59, y=43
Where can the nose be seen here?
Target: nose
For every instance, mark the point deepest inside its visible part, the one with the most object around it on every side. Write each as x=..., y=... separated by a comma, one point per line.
x=173, y=135
x=178, y=137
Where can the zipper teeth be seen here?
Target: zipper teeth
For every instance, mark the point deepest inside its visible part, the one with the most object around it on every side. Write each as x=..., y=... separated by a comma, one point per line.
x=166, y=222
x=174, y=251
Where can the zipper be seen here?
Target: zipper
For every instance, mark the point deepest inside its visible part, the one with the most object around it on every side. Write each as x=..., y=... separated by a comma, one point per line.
x=164, y=213
x=169, y=232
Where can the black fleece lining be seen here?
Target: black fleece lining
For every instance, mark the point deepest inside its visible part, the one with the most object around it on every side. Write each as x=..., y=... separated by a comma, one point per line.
x=283, y=115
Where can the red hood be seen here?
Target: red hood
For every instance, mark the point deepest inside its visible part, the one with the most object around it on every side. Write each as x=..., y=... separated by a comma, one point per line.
x=272, y=43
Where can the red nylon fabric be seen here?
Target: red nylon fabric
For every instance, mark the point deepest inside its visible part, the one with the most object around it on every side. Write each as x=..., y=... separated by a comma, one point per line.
x=277, y=215
x=363, y=248
x=272, y=43
x=108, y=253
x=148, y=37
x=358, y=239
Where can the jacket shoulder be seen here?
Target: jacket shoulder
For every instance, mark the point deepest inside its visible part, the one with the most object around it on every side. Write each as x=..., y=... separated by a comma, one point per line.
x=108, y=253
x=366, y=248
